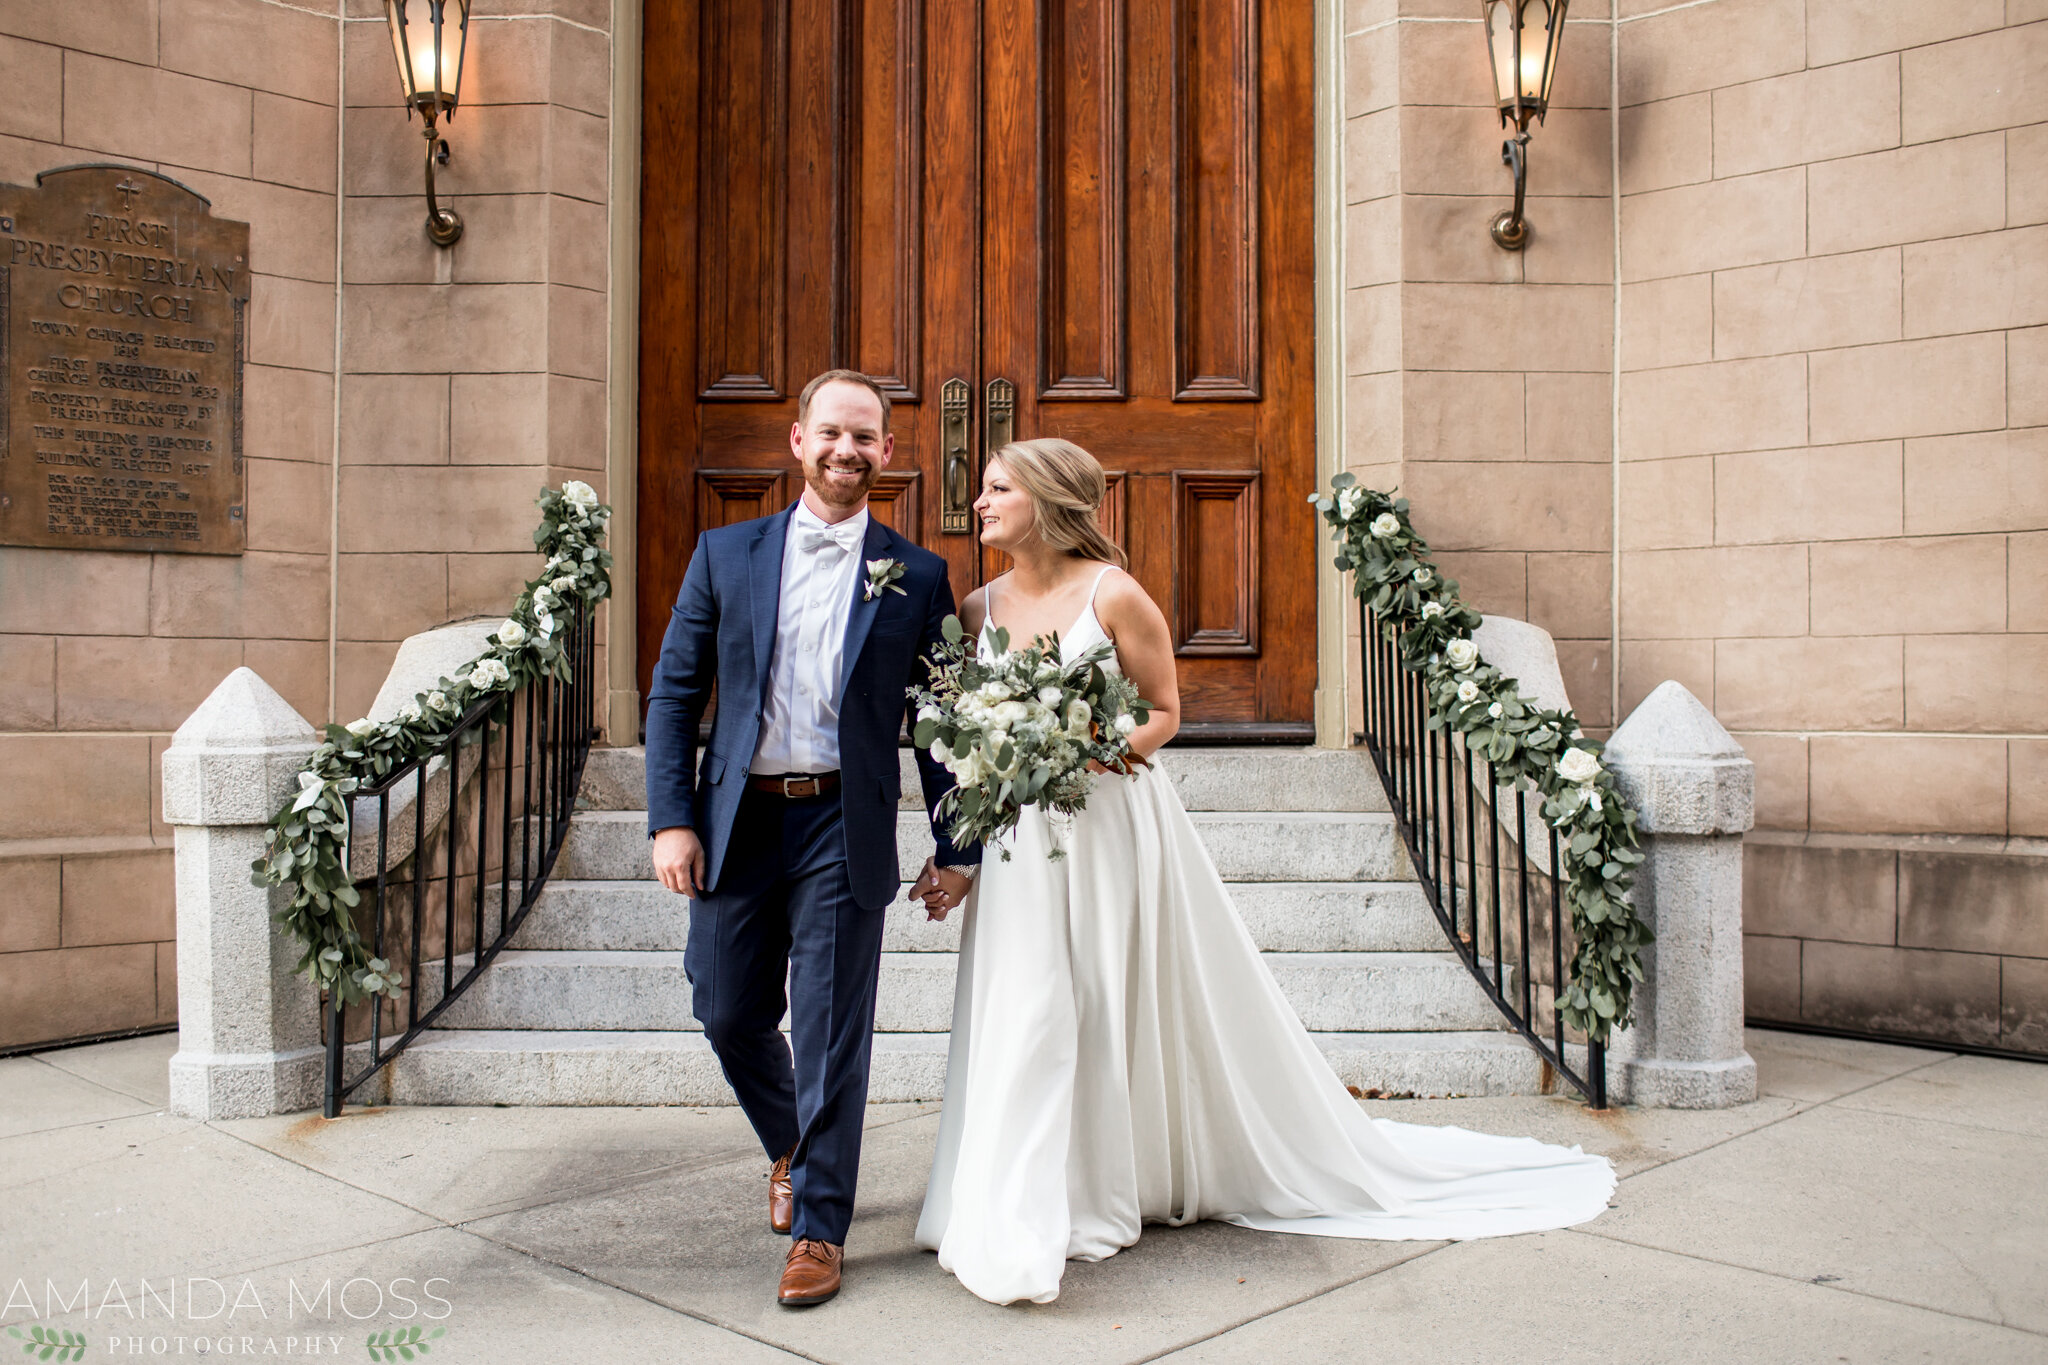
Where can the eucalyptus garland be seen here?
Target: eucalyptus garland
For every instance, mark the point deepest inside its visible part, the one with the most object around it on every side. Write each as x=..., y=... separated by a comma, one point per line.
x=307, y=846
x=1419, y=609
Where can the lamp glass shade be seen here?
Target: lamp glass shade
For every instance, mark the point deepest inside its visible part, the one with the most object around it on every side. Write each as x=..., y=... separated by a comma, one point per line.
x=1522, y=39
x=429, y=38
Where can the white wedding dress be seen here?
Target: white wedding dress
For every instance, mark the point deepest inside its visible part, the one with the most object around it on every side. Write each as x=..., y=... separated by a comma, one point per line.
x=1121, y=1055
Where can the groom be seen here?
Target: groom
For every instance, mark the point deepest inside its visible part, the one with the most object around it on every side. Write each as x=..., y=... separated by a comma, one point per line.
x=811, y=623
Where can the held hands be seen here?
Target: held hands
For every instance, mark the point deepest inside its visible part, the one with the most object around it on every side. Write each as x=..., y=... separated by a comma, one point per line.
x=679, y=861
x=940, y=888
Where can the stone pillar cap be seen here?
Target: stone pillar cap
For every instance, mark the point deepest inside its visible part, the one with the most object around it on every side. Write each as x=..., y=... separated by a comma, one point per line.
x=237, y=757
x=1680, y=768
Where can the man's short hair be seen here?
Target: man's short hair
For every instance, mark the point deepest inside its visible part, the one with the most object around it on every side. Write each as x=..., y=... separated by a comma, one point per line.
x=803, y=400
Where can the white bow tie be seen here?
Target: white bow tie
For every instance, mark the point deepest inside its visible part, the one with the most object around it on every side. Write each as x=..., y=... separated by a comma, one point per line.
x=813, y=541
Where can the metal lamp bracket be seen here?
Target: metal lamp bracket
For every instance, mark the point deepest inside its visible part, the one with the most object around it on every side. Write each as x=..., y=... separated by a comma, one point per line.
x=444, y=226
x=1510, y=229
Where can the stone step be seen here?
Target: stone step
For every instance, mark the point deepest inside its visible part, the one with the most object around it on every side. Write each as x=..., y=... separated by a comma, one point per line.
x=561, y=1067
x=647, y=990
x=1239, y=779
x=1289, y=917
x=1293, y=846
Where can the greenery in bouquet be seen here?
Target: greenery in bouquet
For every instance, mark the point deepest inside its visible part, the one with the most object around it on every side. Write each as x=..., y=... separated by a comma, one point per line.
x=306, y=849
x=1020, y=729
x=1526, y=745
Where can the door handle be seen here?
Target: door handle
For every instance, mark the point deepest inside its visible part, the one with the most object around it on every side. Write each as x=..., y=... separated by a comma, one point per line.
x=956, y=496
x=999, y=421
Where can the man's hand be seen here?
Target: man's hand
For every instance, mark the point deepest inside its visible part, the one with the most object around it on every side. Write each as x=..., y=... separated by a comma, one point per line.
x=940, y=888
x=679, y=861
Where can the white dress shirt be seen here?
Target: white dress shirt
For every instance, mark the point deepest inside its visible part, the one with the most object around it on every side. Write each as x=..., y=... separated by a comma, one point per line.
x=821, y=567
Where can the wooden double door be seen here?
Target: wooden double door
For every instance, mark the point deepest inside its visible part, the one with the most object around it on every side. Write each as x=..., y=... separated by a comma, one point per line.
x=1077, y=218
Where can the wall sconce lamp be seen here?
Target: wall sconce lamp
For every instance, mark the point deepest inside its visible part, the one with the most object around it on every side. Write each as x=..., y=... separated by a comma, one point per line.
x=1522, y=38
x=430, y=51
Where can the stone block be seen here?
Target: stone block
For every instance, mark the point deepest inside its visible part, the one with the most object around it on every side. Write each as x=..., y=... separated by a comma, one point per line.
x=215, y=38
x=580, y=69
x=1372, y=156
x=579, y=154
x=1907, y=784
x=1807, y=116
x=1432, y=237
x=288, y=414
x=494, y=148
x=1667, y=322
x=1497, y=583
x=1667, y=142
x=577, y=426
x=1900, y=991
x=1715, y=225
x=1504, y=505
x=1972, y=899
x=1913, y=194
x=1374, y=242
x=1690, y=48
x=1781, y=779
x=1569, y=594
x=486, y=585
x=512, y=57
x=1973, y=85
x=296, y=668
x=1801, y=886
x=1447, y=415
x=2026, y=175
x=29, y=919
x=1807, y=305
x=1572, y=240
x=1372, y=70
x=1706, y=594
x=405, y=328
x=1667, y=504
x=395, y=418
x=427, y=509
x=359, y=669
x=2023, y=1005
x=1841, y=30
x=1372, y=329
x=1708, y=409
x=578, y=332
x=1770, y=978
x=126, y=897
x=137, y=683
x=1810, y=683
x=1846, y=492
x=291, y=323
x=34, y=74
x=74, y=786
x=1994, y=280
x=577, y=244
x=126, y=29
x=28, y=682
x=497, y=418
x=1587, y=666
x=294, y=142
x=74, y=592
x=1989, y=683
x=391, y=596
x=260, y=595
x=2027, y=581
x=48, y=997
x=288, y=505
x=1570, y=417
x=118, y=108
x=1437, y=141
x=1908, y=388
x=2028, y=796
x=1645, y=663
x=1925, y=585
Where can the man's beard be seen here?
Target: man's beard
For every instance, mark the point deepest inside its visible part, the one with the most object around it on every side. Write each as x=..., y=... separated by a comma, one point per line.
x=835, y=494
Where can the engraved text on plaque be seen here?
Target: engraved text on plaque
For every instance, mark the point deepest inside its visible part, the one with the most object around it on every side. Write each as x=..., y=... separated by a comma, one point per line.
x=123, y=305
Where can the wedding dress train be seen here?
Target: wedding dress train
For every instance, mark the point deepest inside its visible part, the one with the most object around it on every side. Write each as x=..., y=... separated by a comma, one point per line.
x=1121, y=1055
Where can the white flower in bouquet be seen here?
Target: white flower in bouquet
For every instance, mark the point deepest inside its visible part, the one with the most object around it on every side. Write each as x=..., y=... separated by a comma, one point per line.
x=1576, y=765
x=438, y=700
x=1384, y=525
x=1049, y=695
x=1348, y=501
x=489, y=673
x=544, y=627
x=564, y=585
x=1423, y=577
x=411, y=714
x=580, y=494
x=511, y=634
x=1079, y=713
x=544, y=598
x=1468, y=692
x=362, y=727
x=1126, y=723
x=1432, y=610
x=1461, y=654
x=1495, y=711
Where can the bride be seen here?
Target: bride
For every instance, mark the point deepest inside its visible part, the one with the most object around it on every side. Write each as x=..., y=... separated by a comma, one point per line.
x=1120, y=1054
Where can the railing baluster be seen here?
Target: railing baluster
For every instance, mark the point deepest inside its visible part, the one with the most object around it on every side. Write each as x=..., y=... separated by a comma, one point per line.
x=419, y=893
x=1522, y=868
x=383, y=834
x=1493, y=864
x=1556, y=943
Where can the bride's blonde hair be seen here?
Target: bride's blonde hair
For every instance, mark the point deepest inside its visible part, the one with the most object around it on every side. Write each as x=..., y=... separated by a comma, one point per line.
x=1066, y=487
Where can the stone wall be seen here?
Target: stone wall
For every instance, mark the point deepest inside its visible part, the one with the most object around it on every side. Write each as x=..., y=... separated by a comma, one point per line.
x=274, y=112
x=1797, y=415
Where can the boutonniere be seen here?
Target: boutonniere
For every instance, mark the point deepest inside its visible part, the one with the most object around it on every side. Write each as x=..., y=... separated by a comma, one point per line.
x=882, y=573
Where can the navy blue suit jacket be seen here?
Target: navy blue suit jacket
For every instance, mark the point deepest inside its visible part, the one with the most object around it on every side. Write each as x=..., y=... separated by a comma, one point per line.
x=723, y=631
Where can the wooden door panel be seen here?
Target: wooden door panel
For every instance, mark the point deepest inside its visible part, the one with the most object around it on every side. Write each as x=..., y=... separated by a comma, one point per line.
x=1216, y=204
x=1215, y=562
x=742, y=191
x=882, y=169
x=1082, y=137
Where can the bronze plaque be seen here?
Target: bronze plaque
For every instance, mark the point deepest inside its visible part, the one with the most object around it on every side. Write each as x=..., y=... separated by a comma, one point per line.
x=123, y=310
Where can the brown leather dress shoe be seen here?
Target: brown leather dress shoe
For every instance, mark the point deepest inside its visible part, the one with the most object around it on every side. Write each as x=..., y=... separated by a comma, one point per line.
x=781, y=1198
x=811, y=1274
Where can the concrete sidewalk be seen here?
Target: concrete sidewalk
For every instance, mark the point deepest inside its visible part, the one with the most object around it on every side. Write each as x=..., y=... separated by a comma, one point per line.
x=1877, y=1204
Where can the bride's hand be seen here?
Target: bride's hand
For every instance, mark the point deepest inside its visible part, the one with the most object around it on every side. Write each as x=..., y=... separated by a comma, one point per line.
x=1096, y=765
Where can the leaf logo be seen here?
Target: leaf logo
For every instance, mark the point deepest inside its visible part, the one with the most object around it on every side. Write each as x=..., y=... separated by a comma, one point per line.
x=47, y=1343
x=407, y=1343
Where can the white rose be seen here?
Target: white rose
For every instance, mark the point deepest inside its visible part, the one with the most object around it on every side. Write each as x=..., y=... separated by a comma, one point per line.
x=1423, y=577
x=1432, y=610
x=511, y=634
x=1593, y=800
x=1385, y=524
x=489, y=673
x=544, y=597
x=580, y=494
x=546, y=627
x=1126, y=723
x=1011, y=714
x=1049, y=695
x=438, y=700
x=1461, y=654
x=362, y=727
x=564, y=585
x=1576, y=765
x=1468, y=692
x=1348, y=501
x=940, y=751
x=1079, y=713
x=929, y=712
x=1494, y=711
x=411, y=714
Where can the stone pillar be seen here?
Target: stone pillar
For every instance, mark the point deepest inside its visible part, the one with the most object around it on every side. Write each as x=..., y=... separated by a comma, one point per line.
x=1694, y=791
x=248, y=1025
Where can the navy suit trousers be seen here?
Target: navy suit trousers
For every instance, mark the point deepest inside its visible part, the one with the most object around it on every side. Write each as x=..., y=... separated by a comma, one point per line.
x=784, y=905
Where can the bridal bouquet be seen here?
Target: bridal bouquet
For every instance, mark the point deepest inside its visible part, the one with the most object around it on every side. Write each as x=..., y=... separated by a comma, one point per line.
x=1020, y=729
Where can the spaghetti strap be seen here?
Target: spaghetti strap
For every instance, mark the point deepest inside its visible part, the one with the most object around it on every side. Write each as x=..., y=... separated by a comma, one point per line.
x=1097, y=584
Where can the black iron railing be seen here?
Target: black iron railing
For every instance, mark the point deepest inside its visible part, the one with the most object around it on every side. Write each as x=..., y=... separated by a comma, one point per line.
x=454, y=848
x=1470, y=839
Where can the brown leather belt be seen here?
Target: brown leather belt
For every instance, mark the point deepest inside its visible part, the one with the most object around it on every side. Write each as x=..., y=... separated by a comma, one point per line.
x=799, y=787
